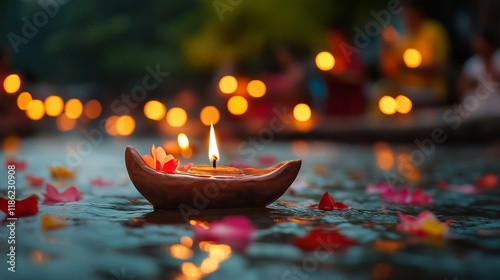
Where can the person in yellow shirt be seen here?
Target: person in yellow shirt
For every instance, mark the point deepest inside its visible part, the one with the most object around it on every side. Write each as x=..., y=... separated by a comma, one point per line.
x=416, y=62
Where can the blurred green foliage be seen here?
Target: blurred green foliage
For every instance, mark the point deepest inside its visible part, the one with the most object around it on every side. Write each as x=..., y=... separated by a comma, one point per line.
x=113, y=41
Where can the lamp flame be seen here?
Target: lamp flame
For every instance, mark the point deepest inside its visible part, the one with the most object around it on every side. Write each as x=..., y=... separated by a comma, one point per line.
x=213, y=151
x=183, y=141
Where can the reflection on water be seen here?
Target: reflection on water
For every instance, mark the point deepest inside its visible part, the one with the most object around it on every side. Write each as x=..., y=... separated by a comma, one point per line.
x=113, y=231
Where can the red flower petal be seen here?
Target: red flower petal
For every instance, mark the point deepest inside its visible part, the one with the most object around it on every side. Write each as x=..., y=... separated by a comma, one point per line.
x=34, y=181
x=489, y=180
x=326, y=202
x=341, y=206
x=20, y=164
x=323, y=240
x=170, y=166
x=23, y=208
x=441, y=183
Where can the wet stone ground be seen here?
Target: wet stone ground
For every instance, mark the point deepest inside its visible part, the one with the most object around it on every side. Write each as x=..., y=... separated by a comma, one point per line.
x=114, y=233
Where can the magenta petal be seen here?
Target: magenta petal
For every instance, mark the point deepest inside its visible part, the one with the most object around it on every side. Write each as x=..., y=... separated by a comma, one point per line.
x=465, y=189
x=71, y=194
x=379, y=188
x=51, y=192
x=99, y=182
x=52, y=195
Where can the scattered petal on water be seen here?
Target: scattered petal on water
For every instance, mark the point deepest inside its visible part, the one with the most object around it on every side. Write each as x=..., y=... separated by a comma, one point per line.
x=22, y=208
x=403, y=196
x=323, y=239
x=424, y=224
x=61, y=172
x=20, y=165
x=50, y=222
x=489, y=180
x=34, y=181
x=69, y=195
x=99, y=182
x=327, y=203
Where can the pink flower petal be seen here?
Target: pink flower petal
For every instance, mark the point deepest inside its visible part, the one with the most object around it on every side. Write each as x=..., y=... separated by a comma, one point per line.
x=99, y=182
x=186, y=167
x=235, y=231
x=379, y=188
x=403, y=196
x=424, y=224
x=69, y=195
x=465, y=189
x=266, y=159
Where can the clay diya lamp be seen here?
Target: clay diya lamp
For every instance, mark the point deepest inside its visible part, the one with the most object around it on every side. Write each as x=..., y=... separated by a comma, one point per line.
x=210, y=186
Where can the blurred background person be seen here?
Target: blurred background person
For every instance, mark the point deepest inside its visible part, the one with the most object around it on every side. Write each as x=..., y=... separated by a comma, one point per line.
x=286, y=78
x=416, y=61
x=345, y=82
x=484, y=65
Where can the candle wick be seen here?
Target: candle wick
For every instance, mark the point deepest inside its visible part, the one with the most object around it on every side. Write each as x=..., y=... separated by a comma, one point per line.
x=214, y=162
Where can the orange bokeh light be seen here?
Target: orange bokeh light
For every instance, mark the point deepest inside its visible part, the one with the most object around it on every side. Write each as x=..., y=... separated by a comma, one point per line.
x=110, y=125
x=325, y=61
x=53, y=105
x=404, y=104
x=387, y=105
x=256, y=88
x=302, y=112
x=177, y=117
x=155, y=110
x=125, y=125
x=24, y=100
x=12, y=83
x=412, y=58
x=36, y=111
x=228, y=84
x=209, y=114
x=64, y=123
x=92, y=109
x=73, y=108
x=237, y=105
